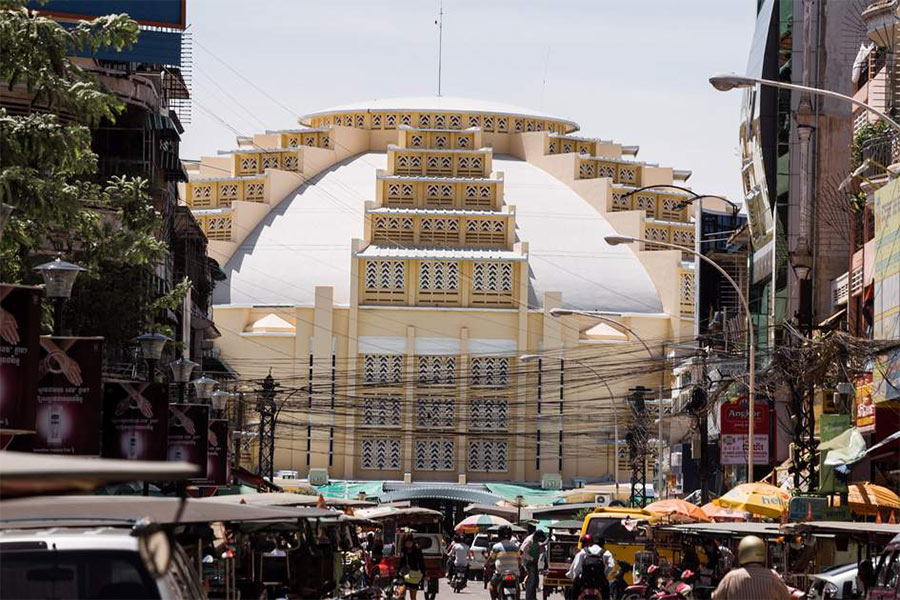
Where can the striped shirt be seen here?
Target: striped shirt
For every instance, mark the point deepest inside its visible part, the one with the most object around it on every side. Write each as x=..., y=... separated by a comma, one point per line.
x=506, y=557
x=752, y=582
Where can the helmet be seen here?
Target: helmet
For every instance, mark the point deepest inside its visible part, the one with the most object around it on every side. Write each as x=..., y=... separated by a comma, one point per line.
x=586, y=540
x=751, y=550
x=504, y=532
x=457, y=537
x=540, y=535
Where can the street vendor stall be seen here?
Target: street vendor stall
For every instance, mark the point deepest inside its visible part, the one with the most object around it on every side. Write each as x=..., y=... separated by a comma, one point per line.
x=562, y=546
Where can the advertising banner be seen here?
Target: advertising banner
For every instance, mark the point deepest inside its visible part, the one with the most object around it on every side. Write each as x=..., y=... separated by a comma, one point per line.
x=831, y=426
x=218, y=461
x=865, y=407
x=135, y=420
x=20, y=316
x=189, y=434
x=69, y=396
x=734, y=430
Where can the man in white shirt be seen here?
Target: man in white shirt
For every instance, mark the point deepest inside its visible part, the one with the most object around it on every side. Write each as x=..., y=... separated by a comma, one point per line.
x=458, y=556
x=592, y=548
x=531, y=554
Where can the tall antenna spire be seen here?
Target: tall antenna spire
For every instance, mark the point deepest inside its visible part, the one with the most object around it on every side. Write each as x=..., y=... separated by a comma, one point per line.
x=440, y=24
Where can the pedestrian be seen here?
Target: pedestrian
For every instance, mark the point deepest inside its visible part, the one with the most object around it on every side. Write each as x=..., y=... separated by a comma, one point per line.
x=753, y=580
x=531, y=555
x=411, y=564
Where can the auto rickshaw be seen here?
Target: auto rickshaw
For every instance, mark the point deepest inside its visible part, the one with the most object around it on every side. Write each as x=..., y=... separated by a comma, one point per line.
x=625, y=532
x=562, y=546
x=425, y=524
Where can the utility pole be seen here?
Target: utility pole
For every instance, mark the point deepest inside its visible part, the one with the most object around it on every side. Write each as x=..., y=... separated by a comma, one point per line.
x=699, y=407
x=636, y=440
x=266, y=408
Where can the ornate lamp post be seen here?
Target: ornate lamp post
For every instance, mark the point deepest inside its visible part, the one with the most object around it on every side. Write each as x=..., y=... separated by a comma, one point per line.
x=152, y=345
x=59, y=277
x=220, y=402
x=203, y=388
x=181, y=374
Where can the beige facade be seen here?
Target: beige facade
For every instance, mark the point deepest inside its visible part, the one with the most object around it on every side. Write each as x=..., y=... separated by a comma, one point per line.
x=391, y=262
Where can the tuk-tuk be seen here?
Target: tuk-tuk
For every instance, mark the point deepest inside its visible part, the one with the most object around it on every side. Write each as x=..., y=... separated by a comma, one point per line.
x=562, y=546
x=425, y=525
x=625, y=532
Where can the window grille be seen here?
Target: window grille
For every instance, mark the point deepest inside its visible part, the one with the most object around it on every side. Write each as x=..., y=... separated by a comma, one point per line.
x=380, y=412
x=488, y=456
x=490, y=371
x=435, y=455
x=380, y=454
x=437, y=370
x=384, y=369
x=492, y=276
x=385, y=275
x=489, y=414
x=435, y=413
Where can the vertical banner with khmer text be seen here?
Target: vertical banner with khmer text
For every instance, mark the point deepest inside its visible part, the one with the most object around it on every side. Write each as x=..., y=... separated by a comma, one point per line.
x=189, y=435
x=20, y=315
x=135, y=420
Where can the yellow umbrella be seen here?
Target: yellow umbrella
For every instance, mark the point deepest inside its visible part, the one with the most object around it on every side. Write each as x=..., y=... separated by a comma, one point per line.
x=870, y=499
x=760, y=499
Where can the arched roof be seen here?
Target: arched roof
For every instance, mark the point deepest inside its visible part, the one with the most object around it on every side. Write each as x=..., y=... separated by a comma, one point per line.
x=304, y=242
x=438, y=104
x=441, y=492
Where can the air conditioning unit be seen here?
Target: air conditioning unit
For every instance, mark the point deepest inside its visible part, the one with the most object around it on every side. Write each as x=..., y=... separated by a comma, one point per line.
x=602, y=499
x=318, y=477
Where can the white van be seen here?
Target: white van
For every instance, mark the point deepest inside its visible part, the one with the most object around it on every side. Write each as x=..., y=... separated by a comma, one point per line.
x=94, y=562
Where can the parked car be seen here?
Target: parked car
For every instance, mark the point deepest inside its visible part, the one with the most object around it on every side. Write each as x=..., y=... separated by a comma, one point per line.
x=94, y=562
x=837, y=583
x=480, y=547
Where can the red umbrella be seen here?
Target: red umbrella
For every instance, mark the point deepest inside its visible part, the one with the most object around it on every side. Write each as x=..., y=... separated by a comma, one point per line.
x=677, y=510
x=720, y=513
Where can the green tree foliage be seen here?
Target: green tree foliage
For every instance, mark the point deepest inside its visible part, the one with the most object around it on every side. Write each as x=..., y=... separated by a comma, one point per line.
x=48, y=173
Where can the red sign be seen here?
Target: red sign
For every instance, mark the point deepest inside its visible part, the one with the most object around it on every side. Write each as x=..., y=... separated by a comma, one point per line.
x=865, y=407
x=20, y=315
x=734, y=433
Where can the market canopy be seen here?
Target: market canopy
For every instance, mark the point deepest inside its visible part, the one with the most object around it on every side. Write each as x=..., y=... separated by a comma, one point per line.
x=720, y=513
x=758, y=498
x=92, y=509
x=871, y=499
x=26, y=473
x=678, y=510
x=473, y=523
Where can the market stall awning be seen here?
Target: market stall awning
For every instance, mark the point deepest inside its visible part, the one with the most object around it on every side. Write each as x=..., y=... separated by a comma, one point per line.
x=287, y=499
x=70, y=510
x=757, y=498
x=25, y=473
x=530, y=495
x=678, y=510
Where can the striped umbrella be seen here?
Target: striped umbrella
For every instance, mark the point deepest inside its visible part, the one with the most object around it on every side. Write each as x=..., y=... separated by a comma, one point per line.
x=760, y=499
x=473, y=523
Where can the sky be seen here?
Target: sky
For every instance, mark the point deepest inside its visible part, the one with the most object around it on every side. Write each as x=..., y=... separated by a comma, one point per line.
x=630, y=70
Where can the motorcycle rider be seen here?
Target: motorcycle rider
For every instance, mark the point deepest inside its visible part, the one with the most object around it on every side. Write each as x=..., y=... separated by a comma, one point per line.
x=458, y=557
x=753, y=579
x=531, y=555
x=506, y=557
x=591, y=567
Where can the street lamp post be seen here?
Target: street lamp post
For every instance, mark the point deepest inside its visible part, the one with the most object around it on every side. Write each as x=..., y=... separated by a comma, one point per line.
x=152, y=345
x=614, y=240
x=729, y=81
x=525, y=358
x=559, y=312
x=181, y=374
x=59, y=277
x=204, y=388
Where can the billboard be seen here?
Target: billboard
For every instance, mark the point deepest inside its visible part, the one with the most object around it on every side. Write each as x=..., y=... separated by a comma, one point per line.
x=734, y=430
x=20, y=316
x=865, y=407
x=135, y=420
x=69, y=396
x=189, y=435
x=154, y=13
x=218, y=460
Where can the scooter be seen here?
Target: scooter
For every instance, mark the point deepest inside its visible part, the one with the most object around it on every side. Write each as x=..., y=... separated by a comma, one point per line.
x=677, y=589
x=618, y=585
x=508, y=587
x=459, y=579
x=644, y=587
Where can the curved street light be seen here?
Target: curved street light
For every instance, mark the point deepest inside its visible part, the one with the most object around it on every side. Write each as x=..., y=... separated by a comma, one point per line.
x=526, y=358
x=615, y=240
x=728, y=81
x=694, y=195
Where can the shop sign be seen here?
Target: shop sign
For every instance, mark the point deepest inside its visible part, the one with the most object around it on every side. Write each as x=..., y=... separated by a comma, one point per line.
x=69, y=396
x=865, y=407
x=135, y=420
x=734, y=429
x=807, y=508
x=218, y=461
x=20, y=315
x=189, y=435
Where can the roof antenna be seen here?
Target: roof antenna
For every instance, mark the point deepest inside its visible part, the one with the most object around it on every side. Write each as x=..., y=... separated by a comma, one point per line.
x=440, y=23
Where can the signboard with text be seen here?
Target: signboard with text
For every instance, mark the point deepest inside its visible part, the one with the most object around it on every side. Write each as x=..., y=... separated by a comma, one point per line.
x=189, y=435
x=734, y=433
x=218, y=462
x=135, y=420
x=865, y=407
x=20, y=315
x=67, y=414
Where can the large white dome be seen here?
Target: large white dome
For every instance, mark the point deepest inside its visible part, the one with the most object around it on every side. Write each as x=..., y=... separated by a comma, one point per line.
x=304, y=242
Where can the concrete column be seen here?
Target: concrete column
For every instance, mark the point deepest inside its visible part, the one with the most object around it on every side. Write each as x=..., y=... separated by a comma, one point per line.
x=409, y=399
x=350, y=444
x=322, y=348
x=462, y=405
x=551, y=423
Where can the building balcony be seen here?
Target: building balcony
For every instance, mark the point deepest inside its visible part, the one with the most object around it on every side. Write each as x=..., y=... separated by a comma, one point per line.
x=442, y=139
x=441, y=228
x=255, y=162
x=220, y=193
x=458, y=193
x=880, y=152
x=439, y=163
x=216, y=223
x=840, y=290
x=657, y=204
x=680, y=234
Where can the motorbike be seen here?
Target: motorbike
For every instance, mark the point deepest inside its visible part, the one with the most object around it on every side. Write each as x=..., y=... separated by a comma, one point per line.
x=644, y=586
x=618, y=585
x=508, y=587
x=676, y=588
x=459, y=579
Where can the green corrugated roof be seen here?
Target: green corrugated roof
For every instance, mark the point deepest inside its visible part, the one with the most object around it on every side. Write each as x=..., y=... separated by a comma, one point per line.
x=341, y=489
x=509, y=492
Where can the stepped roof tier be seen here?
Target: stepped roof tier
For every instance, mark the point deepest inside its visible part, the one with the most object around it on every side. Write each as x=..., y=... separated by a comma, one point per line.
x=438, y=104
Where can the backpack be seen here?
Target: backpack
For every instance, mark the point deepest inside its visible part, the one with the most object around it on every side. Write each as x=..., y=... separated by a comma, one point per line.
x=593, y=571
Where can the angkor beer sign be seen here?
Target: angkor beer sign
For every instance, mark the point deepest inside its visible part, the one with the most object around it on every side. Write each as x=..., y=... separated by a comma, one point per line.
x=865, y=407
x=135, y=420
x=734, y=433
x=20, y=314
x=189, y=434
x=218, y=461
x=68, y=398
